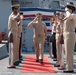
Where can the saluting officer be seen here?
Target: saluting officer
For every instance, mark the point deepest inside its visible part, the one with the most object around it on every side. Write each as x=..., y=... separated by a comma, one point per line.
x=13, y=22
x=40, y=34
x=69, y=36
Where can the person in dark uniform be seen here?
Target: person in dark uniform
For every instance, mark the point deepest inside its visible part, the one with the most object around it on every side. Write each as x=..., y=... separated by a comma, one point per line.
x=54, y=40
x=20, y=31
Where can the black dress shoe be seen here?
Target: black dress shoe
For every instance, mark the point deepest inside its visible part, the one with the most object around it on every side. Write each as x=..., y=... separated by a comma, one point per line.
x=17, y=63
x=54, y=59
x=56, y=65
x=65, y=71
x=37, y=60
x=41, y=61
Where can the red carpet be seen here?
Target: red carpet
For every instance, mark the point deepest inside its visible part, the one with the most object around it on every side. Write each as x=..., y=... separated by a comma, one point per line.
x=30, y=65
